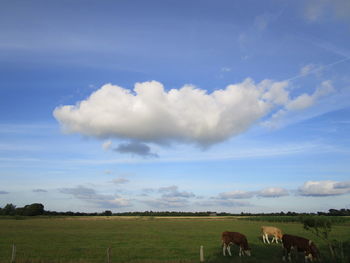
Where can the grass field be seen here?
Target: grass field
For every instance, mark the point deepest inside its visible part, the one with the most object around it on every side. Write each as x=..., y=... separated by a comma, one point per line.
x=136, y=239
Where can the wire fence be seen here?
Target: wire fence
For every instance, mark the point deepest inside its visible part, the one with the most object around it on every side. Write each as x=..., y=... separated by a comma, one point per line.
x=21, y=253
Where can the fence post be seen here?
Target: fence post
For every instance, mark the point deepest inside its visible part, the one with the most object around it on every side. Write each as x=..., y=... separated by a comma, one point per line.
x=109, y=255
x=13, y=257
x=341, y=251
x=201, y=254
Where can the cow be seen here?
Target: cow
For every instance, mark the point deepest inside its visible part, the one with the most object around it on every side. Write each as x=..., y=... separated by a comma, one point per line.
x=301, y=245
x=267, y=231
x=229, y=238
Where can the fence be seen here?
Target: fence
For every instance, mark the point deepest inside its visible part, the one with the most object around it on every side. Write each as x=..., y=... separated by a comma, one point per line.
x=98, y=254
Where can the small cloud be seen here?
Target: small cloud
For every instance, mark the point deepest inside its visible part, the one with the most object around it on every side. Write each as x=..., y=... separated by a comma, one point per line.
x=120, y=181
x=273, y=192
x=307, y=69
x=4, y=192
x=39, y=191
x=136, y=148
x=261, y=21
x=316, y=10
x=301, y=102
x=172, y=191
x=101, y=200
x=267, y=192
x=107, y=172
x=342, y=185
x=305, y=100
x=226, y=69
x=225, y=203
x=147, y=191
x=324, y=188
x=236, y=195
x=298, y=103
x=167, y=202
x=107, y=145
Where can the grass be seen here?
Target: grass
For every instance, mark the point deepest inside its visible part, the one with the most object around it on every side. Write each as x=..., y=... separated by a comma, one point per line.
x=138, y=239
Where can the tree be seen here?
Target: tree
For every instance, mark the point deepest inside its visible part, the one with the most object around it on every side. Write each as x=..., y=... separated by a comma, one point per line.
x=34, y=209
x=9, y=210
x=107, y=213
x=321, y=227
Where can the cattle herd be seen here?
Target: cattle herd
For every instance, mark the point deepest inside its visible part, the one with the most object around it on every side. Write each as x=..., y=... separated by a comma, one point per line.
x=289, y=242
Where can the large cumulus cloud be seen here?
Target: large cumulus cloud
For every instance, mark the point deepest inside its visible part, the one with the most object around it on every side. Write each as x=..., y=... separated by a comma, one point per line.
x=150, y=113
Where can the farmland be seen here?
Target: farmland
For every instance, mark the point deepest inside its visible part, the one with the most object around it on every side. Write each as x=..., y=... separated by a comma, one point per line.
x=140, y=239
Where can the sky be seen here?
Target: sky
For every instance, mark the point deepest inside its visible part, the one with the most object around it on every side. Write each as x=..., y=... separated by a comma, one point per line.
x=163, y=105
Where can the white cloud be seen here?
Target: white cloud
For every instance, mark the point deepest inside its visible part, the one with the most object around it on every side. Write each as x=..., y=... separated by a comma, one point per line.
x=172, y=191
x=301, y=102
x=275, y=91
x=273, y=192
x=315, y=10
x=236, y=195
x=224, y=203
x=305, y=100
x=267, y=192
x=188, y=114
x=101, y=200
x=120, y=181
x=307, y=69
x=226, y=69
x=167, y=202
x=117, y=202
x=107, y=145
x=170, y=197
x=262, y=21
x=39, y=191
x=324, y=188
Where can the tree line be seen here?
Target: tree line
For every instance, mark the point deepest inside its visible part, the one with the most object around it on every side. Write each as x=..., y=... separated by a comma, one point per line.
x=38, y=209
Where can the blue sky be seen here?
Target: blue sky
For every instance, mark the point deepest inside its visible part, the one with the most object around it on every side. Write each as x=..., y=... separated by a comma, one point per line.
x=175, y=105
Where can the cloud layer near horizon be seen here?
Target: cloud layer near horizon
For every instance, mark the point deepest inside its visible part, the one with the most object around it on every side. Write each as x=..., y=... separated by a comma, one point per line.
x=188, y=114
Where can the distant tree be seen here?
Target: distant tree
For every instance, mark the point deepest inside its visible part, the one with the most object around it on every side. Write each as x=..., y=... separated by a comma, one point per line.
x=9, y=210
x=34, y=209
x=107, y=213
x=20, y=211
x=333, y=212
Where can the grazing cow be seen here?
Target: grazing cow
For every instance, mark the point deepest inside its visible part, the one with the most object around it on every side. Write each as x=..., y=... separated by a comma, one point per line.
x=267, y=231
x=301, y=245
x=229, y=238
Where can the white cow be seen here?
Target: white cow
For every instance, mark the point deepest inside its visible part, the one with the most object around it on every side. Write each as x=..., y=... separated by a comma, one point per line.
x=267, y=231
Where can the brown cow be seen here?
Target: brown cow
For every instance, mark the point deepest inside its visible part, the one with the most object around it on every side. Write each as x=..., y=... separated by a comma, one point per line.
x=301, y=245
x=267, y=231
x=229, y=238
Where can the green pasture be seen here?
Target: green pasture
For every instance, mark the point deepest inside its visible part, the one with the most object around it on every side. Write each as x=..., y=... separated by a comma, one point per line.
x=140, y=239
